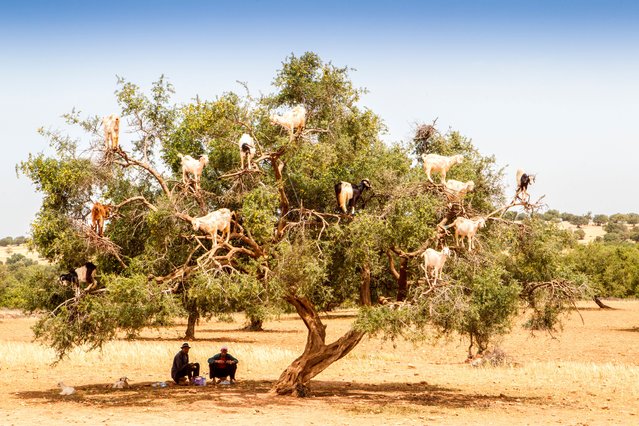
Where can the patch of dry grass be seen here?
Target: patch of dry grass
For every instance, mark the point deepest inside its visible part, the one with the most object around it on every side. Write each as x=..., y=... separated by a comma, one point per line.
x=8, y=251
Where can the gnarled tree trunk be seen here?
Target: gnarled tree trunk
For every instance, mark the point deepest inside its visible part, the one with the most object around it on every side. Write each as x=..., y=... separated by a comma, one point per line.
x=317, y=356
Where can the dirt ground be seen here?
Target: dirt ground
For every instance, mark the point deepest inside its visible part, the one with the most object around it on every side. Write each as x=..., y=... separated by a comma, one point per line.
x=586, y=375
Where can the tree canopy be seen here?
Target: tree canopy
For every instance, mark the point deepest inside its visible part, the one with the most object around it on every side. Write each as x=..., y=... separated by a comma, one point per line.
x=289, y=247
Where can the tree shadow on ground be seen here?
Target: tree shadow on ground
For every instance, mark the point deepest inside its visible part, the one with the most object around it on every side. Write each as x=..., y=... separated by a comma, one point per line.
x=243, y=330
x=253, y=393
x=196, y=339
x=631, y=329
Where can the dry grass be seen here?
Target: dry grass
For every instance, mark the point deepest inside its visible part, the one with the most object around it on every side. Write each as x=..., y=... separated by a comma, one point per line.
x=589, y=372
x=8, y=251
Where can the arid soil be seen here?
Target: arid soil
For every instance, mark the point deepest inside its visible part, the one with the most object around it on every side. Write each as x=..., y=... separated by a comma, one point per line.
x=586, y=375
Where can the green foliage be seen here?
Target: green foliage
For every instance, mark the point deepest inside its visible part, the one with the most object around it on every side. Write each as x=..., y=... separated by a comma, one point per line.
x=600, y=219
x=491, y=307
x=125, y=304
x=286, y=242
x=580, y=234
x=612, y=269
x=10, y=241
x=259, y=213
x=574, y=219
x=618, y=218
x=552, y=215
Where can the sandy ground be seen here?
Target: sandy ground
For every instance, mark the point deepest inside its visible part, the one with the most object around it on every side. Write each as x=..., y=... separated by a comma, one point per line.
x=592, y=231
x=586, y=375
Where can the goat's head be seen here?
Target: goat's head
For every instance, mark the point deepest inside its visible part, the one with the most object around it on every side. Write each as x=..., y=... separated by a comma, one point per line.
x=195, y=222
x=446, y=251
x=366, y=184
x=481, y=222
x=470, y=185
x=204, y=160
x=458, y=158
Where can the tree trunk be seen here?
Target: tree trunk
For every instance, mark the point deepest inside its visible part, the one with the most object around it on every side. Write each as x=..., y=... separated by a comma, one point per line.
x=317, y=355
x=255, y=324
x=601, y=304
x=402, y=281
x=365, y=287
x=194, y=316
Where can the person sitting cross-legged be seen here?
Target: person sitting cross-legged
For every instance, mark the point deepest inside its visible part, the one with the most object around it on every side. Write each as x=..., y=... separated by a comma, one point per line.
x=182, y=368
x=223, y=365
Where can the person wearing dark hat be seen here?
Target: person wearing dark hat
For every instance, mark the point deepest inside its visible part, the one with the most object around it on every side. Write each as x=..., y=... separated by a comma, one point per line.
x=182, y=367
x=223, y=365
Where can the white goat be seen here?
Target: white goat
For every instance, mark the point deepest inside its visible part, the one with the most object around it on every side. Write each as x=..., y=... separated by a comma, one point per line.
x=111, y=124
x=122, y=383
x=247, y=149
x=193, y=166
x=66, y=390
x=435, y=259
x=457, y=188
x=219, y=220
x=291, y=120
x=467, y=228
x=440, y=163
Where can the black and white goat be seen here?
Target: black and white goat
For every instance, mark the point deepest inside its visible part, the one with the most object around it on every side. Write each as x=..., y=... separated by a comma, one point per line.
x=247, y=150
x=347, y=194
x=83, y=274
x=523, y=180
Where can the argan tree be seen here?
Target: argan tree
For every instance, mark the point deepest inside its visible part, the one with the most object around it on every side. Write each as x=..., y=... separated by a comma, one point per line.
x=289, y=248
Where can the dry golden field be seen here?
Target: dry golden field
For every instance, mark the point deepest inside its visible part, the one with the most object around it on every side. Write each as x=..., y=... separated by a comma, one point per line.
x=586, y=375
x=7, y=251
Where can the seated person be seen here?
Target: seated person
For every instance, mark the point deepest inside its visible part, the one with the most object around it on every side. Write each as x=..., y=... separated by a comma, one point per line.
x=182, y=368
x=223, y=365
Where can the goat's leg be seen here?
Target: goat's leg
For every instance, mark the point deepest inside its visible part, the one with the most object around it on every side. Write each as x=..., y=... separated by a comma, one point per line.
x=227, y=230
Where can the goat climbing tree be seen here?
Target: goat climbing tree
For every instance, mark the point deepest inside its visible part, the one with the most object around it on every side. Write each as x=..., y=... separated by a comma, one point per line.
x=289, y=248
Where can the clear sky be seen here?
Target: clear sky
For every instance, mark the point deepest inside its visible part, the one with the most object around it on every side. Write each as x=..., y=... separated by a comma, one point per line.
x=549, y=86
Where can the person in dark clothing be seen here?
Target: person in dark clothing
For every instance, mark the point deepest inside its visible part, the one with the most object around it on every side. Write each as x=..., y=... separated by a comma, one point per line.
x=182, y=367
x=223, y=365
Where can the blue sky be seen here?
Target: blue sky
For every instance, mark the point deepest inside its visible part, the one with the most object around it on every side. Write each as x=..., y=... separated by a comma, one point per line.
x=550, y=86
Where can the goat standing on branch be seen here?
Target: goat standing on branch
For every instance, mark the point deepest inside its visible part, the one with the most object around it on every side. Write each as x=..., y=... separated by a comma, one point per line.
x=99, y=213
x=523, y=180
x=459, y=189
x=467, y=228
x=291, y=120
x=111, y=124
x=247, y=150
x=219, y=220
x=83, y=274
x=347, y=195
x=440, y=163
x=435, y=259
x=194, y=167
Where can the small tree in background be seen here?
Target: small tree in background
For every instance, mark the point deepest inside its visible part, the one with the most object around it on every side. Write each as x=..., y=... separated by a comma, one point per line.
x=600, y=219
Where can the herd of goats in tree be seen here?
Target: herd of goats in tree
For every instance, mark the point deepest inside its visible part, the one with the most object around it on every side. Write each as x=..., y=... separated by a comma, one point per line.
x=347, y=196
